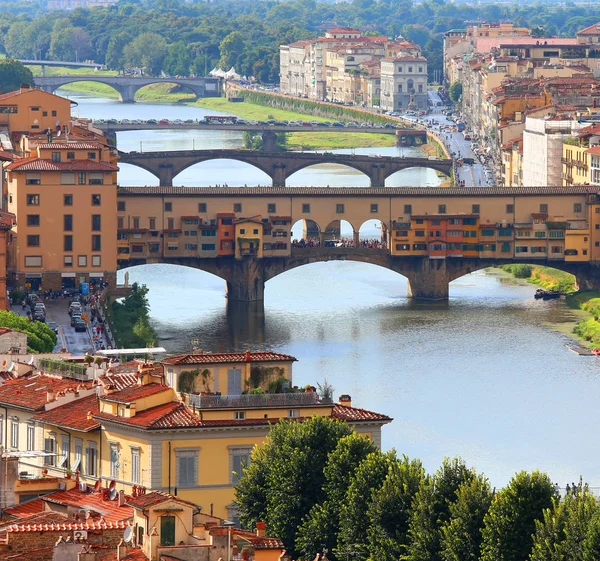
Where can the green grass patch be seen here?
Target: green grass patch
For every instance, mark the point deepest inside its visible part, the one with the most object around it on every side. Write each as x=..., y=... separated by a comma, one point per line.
x=546, y=277
x=587, y=329
x=63, y=71
x=324, y=140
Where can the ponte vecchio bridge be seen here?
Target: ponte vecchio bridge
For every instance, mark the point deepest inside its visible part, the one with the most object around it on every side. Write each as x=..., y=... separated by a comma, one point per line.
x=277, y=165
x=431, y=235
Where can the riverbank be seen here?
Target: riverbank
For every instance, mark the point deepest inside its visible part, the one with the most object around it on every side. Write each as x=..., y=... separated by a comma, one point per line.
x=545, y=277
x=588, y=328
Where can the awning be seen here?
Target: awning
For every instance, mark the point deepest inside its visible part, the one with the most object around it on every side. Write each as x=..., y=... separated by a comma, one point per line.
x=96, y=275
x=68, y=275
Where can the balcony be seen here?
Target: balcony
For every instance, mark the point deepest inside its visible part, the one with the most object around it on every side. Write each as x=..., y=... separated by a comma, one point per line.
x=256, y=400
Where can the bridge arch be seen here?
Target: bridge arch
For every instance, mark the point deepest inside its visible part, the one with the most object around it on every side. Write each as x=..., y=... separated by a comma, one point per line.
x=360, y=179
x=78, y=79
x=249, y=174
x=304, y=230
x=443, y=168
x=412, y=176
x=147, y=177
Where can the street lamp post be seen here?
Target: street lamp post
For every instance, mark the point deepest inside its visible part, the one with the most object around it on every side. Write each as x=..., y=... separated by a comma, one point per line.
x=228, y=524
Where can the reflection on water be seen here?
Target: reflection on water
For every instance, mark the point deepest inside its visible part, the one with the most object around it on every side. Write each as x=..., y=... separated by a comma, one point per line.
x=478, y=376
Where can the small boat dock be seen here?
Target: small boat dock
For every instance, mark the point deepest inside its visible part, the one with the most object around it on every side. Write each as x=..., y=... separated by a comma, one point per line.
x=581, y=351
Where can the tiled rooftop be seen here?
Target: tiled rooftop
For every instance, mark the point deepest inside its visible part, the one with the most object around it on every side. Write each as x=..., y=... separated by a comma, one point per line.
x=357, y=191
x=75, y=415
x=143, y=502
x=25, y=509
x=41, y=164
x=30, y=392
x=208, y=358
x=131, y=394
x=70, y=145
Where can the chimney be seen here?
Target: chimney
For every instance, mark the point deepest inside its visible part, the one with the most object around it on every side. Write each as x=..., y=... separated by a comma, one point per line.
x=346, y=400
x=121, y=551
x=248, y=358
x=260, y=529
x=86, y=554
x=49, y=396
x=121, y=497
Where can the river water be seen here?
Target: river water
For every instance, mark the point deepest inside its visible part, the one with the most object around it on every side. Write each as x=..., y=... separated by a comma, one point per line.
x=484, y=376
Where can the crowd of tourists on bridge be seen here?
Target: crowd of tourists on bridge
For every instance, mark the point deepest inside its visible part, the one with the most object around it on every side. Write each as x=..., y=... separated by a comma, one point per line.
x=342, y=242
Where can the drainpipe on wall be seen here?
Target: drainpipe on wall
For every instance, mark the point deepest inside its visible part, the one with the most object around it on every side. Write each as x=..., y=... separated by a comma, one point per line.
x=169, y=460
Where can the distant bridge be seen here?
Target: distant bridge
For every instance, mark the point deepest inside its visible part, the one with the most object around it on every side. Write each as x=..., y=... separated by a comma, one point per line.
x=61, y=63
x=277, y=165
x=127, y=86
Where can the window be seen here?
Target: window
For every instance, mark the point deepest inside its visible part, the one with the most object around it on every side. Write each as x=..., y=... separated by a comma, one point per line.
x=510, y=209
x=168, y=207
x=81, y=178
x=30, y=436
x=121, y=206
x=208, y=246
x=202, y=207
x=544, y=209
x=91, y=455
x=33, y=200
x=54, y=113
x=305, y=208
x=33, y=241
x=65, y=450
x=67, y=178
x=33, y=178
x=339, y=209
x=56, y=156
x=68, y=243
x=135, y=465
x=487, y=232
x=239, y=415
x=96, y=179
x=420, y=69
x=295, y=413
x=68, y=200
x=237, y=207
x=96, y=223
x=1, y=431
x=33, y=220
x=577, y=207
x=114, y=461
x=399, y=88
x=212, y=233
x=410, y=68
x=68, y=222
x=441, y=209
x=152, y=222
x=49, y=448
x=68, y=261
x=475, y=209
x=96, y=260
x=407, y=209
x=187, y=468
x=96, y=242
x=558, y=234
x=242, y=231
x=82, y=260
x=239, y=458
x=91, y=155
x=14, y=433
x=374, y=208
x=78, y=454
x=70, y=155
x=255, y=231
x=96, y=201
x=271, y=208
x=540, y=234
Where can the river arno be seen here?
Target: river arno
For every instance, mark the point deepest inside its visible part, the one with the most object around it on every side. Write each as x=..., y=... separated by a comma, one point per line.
x=483, y=376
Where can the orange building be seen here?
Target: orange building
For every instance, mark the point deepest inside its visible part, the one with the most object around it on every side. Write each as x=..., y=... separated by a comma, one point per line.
x=226, y=233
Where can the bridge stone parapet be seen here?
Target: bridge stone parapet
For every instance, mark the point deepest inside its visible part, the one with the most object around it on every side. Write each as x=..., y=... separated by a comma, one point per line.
x=127, y=87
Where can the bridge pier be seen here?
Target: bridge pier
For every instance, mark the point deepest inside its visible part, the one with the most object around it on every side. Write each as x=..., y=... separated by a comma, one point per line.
x=165, y=175
x=269, y=139
x=377, y=175
x=279, y=175
x=127, y=93
x=428, y=280
x=246, y=283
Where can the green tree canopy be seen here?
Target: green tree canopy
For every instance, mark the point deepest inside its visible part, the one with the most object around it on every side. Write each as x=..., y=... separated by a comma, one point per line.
x=40, y=338
x=12, y=75
x=455, y=91
x=147, y=51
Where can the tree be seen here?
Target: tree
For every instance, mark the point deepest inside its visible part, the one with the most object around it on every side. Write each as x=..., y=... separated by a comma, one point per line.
x=455, y=91
x=231, y=47
x=320, y=527
x=461, y=536
x=286, y=479
x=115, y=56
x=510, y=522
x=13, y=74
x=591, y=544
x=390, y=513
x=147, y=51
x=178, y=60
x=367, y=480
x=431, y=510
x=40, y=338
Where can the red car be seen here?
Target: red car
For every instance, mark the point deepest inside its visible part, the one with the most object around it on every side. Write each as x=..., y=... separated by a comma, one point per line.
x=163, y=122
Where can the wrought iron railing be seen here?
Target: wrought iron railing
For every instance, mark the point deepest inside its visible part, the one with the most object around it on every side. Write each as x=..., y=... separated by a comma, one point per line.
x=256, y=400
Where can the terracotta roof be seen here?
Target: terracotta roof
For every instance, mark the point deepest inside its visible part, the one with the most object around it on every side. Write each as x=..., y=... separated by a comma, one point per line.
x=59, y=523
x=594, y=150
x=133, y=393
x=119, y=380
x=134, y=554
x=41, y=164
x=7, y=220
x=6, y=156
x=259, y=542
x=343, y=30
x=70, y=145
x=25, y=509
x=41, y=553
x=346, y=413
x=30, y=392
x=208, y=358
x=591, y=30
x=4, y=330
x=142, y=502
x=170, y=415
x=406, y=59
x=74, y=415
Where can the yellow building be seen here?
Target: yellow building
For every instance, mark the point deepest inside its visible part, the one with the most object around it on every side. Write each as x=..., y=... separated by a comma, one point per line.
x=30, y=110
x=248, y=237
x=64, y=197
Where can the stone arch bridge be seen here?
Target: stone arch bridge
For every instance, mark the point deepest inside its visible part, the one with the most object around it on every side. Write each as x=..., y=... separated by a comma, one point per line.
x=428, y=279
x=127, y=87
x=277, y=165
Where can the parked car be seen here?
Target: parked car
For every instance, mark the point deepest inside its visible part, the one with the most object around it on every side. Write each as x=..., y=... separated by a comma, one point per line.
x=80, y=325
x=74, y=319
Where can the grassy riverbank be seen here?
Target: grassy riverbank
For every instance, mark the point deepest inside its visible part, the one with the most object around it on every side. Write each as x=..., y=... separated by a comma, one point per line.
x=545, y=277
x=588, y=329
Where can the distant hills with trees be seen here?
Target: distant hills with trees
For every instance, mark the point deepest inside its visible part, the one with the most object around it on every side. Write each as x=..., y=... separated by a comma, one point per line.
x=180, y=37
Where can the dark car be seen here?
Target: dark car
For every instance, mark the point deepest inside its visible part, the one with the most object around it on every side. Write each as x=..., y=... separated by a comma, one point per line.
x=75, y=318
x=80, y=325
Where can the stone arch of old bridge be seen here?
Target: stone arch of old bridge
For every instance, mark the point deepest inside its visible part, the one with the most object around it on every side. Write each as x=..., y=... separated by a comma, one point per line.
x=428, y=279
x=127, y=87
x=277, y=165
